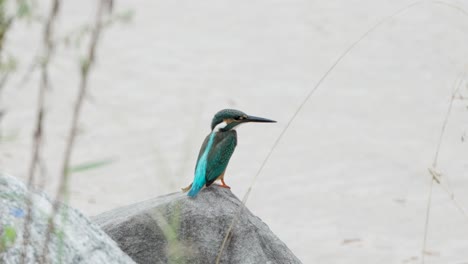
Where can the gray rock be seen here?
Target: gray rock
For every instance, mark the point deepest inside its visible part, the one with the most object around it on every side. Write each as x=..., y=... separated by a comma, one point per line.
x=178, y=229
x=76, y=239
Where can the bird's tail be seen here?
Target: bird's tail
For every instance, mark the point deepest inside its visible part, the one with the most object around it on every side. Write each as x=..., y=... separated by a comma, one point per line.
x=196, y=187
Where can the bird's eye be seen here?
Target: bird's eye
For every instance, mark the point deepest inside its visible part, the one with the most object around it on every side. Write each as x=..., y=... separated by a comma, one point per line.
x=239, y=117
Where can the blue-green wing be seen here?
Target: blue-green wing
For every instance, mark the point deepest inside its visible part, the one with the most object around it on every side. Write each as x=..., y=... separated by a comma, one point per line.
x=220, y=154
x=202, y=149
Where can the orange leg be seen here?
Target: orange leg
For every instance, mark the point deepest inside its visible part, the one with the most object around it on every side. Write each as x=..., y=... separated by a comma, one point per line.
x=224, y=185
x=221, y=177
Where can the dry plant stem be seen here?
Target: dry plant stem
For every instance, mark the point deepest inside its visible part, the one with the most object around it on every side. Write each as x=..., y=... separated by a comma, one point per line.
x=435, y=176
x=3, y=81
x=457, y=85
x=229, y=231
x=426, y=224
x=38, y=131
x=283, y=132
x=4, y=77
x=85, y=70
x=312, y=91
x=3, y=32
x=28, y=73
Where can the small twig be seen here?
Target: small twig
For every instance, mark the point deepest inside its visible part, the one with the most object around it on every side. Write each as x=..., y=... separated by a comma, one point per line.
x=28, y=73
x=104, y=5
x=4, y=30
x=40, y=112
x=42, y=168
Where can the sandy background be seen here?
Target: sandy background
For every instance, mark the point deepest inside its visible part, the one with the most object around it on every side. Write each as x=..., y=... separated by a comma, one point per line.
x=347, y=184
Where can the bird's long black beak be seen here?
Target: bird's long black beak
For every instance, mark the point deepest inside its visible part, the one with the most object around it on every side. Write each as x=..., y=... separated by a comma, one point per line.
x=258, y=119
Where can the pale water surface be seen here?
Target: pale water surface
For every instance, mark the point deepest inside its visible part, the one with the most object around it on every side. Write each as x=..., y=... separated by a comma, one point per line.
x=349, y=181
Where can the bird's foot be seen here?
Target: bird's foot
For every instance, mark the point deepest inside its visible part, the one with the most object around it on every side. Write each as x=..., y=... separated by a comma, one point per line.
x=224, y=185
x=186, y=189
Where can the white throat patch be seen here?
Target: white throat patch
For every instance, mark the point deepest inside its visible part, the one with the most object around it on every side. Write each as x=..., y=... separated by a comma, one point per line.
x=220, y=126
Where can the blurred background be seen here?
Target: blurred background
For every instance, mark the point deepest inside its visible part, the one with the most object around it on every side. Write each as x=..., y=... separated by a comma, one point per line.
x=348, y=183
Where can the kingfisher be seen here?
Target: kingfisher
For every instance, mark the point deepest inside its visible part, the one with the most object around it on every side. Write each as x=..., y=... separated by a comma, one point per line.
x=217, y=149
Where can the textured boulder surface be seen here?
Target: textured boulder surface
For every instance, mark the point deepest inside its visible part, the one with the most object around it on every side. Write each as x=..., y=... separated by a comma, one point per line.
x=77, y=240
x=178, y=229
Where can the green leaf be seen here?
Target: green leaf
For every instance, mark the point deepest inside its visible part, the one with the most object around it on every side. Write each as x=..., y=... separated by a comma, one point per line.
x=126, y=16
x=8, y=138
x=89, y=165
x=85, y=63
x=24, y=9
x=8, y=238
x=8, y=65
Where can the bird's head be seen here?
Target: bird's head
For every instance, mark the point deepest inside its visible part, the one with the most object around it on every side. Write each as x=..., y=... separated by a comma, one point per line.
x=228, y=119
